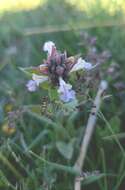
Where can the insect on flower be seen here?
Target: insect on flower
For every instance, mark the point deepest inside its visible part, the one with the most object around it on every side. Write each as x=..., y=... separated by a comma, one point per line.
x=56, y=69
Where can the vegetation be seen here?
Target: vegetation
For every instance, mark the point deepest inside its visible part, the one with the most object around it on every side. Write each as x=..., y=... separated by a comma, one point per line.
x=38, y=151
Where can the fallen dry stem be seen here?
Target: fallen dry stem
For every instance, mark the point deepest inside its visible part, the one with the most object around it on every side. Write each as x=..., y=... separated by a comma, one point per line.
x=88, y=132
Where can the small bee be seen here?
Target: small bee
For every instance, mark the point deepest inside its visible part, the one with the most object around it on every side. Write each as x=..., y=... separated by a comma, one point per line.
x=44, y=104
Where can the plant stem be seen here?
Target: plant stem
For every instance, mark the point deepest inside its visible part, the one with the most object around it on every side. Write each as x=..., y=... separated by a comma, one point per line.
x=88, y=132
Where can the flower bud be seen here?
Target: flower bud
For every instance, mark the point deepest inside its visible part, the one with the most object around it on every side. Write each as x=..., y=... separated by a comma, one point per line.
x=60, y=70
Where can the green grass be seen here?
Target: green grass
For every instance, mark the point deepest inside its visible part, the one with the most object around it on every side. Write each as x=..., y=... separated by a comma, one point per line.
x=30, y=158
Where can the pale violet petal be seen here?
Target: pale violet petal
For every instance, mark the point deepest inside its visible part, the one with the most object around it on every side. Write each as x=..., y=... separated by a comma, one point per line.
x=31, y=86
x=87, y=66
x=62, y=85
x=39, y=79
x=81, y=64
x=68, y=96
x=48, y=47
x=65, y=91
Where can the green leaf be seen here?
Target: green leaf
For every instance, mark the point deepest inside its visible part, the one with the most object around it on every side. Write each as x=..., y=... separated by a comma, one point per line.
x=93, y=178
x=25, y=71
x=10, y=166
x=117, y=135
x=34, y=108
x=58, y=128
x=69, y=107
x=115, y=124
x=30, y=70
x=3, y=180
x=37, y=140
x=65, y=149
x=53, y=94
x=44, y=85
x=56, y=166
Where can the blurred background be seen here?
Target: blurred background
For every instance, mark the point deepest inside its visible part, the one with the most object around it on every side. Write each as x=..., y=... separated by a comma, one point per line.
x=76, y=26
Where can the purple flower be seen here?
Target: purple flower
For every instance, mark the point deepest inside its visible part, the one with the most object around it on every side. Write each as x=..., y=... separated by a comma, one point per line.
x=55, y=69
x=65, y=91
x=81, y=64
x=31, y=86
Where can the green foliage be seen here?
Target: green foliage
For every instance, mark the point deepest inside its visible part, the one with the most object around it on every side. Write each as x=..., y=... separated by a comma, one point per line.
x=66, y=149
x=41, y=153
x=115, y=126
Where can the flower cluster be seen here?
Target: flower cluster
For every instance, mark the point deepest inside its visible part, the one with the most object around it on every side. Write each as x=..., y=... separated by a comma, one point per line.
x=56, y=69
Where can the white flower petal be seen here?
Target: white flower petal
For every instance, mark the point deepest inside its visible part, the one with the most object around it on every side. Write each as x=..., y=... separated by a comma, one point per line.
x=39, y=79
x=81, y=64
x=48, y=47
